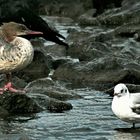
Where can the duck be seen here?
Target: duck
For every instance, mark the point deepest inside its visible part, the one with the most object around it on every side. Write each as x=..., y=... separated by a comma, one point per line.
x=16, y=52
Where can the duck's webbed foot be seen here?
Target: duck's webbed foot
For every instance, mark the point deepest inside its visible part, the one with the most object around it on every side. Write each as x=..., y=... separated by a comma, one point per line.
x=9, y=87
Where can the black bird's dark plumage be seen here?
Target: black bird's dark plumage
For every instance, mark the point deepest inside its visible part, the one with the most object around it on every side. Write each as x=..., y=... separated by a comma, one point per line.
x=20, y=12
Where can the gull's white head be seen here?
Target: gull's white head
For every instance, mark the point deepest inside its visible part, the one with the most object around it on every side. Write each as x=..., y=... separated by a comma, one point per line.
x=120, y=90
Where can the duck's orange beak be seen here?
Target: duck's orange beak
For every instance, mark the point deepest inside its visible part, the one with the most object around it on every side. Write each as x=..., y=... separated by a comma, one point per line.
x=30, y=32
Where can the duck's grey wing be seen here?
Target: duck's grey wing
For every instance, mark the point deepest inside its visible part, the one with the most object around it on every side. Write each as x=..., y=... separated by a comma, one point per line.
x=135, y=102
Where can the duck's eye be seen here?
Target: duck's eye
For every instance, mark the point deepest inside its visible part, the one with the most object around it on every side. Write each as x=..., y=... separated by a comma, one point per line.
x=121, y=91
x=22, y=27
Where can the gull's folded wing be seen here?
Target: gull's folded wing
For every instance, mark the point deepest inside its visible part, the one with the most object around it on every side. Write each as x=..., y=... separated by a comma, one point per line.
x=135, y=102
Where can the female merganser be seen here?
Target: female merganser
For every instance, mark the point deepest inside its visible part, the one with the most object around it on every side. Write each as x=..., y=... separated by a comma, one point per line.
x=15, y=52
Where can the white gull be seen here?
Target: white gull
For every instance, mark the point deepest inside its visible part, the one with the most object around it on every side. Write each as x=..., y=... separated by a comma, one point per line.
x=125, y=105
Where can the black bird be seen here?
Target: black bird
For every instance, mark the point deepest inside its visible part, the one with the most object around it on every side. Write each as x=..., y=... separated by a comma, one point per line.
x=21, y=12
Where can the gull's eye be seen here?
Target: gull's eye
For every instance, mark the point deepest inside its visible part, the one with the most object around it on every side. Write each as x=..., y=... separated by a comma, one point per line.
x=125, y=90
x=121, y=91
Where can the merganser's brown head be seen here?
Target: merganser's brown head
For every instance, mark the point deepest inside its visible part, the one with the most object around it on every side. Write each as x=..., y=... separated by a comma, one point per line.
x=12, y=29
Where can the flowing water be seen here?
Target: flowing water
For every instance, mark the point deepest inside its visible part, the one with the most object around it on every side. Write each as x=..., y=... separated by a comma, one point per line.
x=90, y=119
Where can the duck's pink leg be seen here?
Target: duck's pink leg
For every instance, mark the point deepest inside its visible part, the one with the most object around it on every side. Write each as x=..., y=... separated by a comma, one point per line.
x=9, y=87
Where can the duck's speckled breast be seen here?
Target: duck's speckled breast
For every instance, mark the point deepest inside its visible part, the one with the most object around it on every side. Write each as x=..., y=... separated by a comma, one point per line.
x=15, y=55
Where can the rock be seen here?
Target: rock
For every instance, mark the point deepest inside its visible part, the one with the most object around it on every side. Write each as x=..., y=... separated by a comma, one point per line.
x=51, y=104
x=128, y=13
x=128, y=30
x=118, y=62
x=51, y=95
x=63, y=8
x=51, y=89
x=101, y=5
x=129, y=4
x=55, y=50
x=57, y=19
x=87, y=18
x=3, y=113
x=88, y=51
x=19, y=104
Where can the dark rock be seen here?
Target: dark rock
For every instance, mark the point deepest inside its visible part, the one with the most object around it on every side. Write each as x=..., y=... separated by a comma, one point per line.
x=88, y=51
x=57, y=19
x=87, y=19
x=129, y=13
x=129, y=4
x=117, y=63
x=51, y=95
x=128, y=30
x=51, y=89
x=58, y=106
x=64, y=8
x=101, y=5
x=51, y=104
x=3, y=113
x=55, y=50
x=19, y=103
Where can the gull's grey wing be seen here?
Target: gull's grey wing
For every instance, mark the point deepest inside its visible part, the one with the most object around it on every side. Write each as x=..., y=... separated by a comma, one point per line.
x=135, y=102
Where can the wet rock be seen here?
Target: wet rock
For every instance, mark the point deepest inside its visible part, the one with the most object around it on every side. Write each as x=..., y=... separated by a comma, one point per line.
x=55, y=50
x=63, y=8
x=51, y=95
x=88, y=51
x=87, y=18
x=19, y=104
x=58, y=19
x=129, y=4
x=3, y=113
x=51, y=104
x=102, y=5
x=129, y=13
x=127, y=30
x=118, y=62
x=51, y=89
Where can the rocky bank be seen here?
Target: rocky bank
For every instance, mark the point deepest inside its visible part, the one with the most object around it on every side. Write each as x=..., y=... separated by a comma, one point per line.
x=108, y=50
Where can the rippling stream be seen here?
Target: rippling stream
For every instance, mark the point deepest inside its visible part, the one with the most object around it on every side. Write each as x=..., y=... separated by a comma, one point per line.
x=90, y=119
